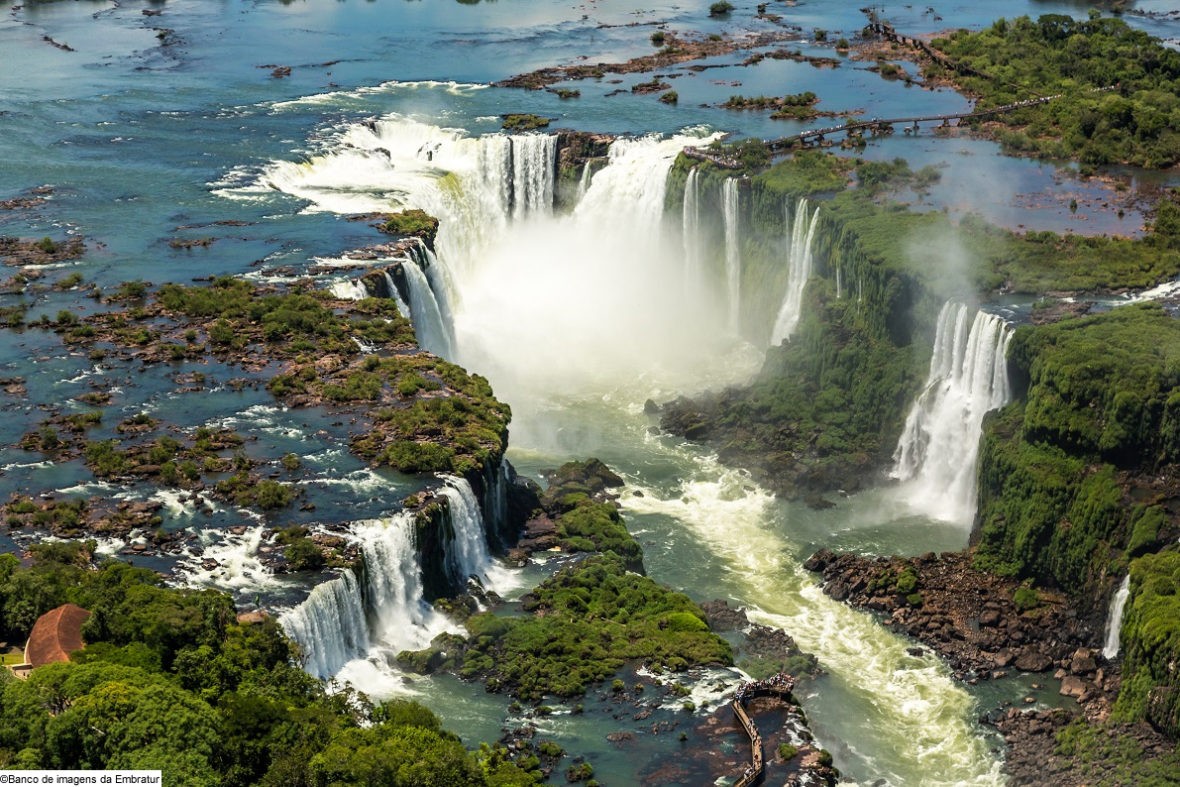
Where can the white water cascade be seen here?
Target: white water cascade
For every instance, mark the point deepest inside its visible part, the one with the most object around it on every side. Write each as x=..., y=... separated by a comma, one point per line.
x=533, y=161
x=348, y=290
x=429, y=304
x=340, y=622
x=469, y=556
x=939, y=446
x=573, y=320
x=584, y=181
x=730, y=204
x=801, y=232
x=329, y=625
x=403, y=308
x=690, y=231
x=1114, y=620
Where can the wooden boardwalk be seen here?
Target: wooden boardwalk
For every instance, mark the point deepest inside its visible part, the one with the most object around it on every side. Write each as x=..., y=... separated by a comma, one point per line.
x=778, y=686
x=884, y=126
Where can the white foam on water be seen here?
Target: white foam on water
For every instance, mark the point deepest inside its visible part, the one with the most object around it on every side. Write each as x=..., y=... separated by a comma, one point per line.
x=239, y=567
x=912, y=709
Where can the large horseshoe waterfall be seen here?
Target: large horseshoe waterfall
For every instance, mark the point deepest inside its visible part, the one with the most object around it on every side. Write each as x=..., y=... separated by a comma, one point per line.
x=581, y=373
x=530, y=293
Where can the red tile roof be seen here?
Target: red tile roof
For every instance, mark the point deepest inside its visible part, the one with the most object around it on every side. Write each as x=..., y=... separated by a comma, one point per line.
x=55, y=635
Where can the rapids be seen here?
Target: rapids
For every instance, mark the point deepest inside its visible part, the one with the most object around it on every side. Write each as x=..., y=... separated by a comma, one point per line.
x=572, y=320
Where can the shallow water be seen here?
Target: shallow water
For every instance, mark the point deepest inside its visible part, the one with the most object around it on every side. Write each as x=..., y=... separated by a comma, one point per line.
x=147, y=138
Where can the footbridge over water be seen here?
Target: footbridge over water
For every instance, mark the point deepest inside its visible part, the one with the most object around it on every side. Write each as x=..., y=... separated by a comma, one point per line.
x=778, y=686
x=886, y=126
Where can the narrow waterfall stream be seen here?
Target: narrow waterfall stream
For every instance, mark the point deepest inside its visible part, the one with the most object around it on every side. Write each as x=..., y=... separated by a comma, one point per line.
x=571, y=318
x=1114, y=620
x=731, y=214
x=800, y=232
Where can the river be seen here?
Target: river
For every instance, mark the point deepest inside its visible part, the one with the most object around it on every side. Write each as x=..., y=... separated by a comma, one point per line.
x=152, y=128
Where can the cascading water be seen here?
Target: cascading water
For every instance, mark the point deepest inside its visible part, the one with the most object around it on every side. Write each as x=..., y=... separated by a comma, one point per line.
x=587, y=328
x=730, y=204
x=403, y=308
x=495, y=498
x=429, y=294
x=329, y=626
x=434, y=331
x=801, y=232
x=340, y=621
x=694, y=274
x=469, y=556
x=533, y=161
x=584, y=181
x=348, y=290
x=402, y=620
x=1114, y=621
x=939, y=445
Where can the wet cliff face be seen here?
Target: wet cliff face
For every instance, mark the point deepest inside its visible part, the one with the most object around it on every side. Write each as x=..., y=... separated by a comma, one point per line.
x=829, y=404
x=1074, y=476
x=1079, y=484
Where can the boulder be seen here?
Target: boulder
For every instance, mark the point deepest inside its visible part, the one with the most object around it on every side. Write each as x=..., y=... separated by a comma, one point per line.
x=1083, y=662
x=1032, y=660
x=1073, y=686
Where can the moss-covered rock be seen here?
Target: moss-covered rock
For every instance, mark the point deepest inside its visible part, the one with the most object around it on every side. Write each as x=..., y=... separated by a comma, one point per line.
x=1151, y=639
x=414, y=223
x=587, y=621
x=1075, y=473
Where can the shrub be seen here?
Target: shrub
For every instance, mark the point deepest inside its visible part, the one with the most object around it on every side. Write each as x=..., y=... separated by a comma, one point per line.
x=720, y=8
x=1026, y=598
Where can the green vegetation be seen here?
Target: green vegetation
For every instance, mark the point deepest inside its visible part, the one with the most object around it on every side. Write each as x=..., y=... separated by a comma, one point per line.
x=300, y=552
x=670, y=97
x=170, y=680
x=414, y=427
x=412, y=223
x=797, y=106
x=1138, y=123
x=1110, y=755
x=721, y=8
x=524, y=122
x=1067, y=495
x=1151, y=641
x=1102, y=399
x=588, y=620
x=586, y=520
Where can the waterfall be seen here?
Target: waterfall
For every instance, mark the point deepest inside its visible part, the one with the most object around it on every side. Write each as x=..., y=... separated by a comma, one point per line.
x=839, y=284
x=494, y=168
x=332, y=627
x=348, y=290
x=329, y=625
x=468, y=556
x=434, y=330
x=402, y=307
x=584, y=181
x=533, y=162
x=694, y=275
x=800, y=234
x=733, y=260
x=939, y=446
x=495, y=496
x=1114, y=621
x=402, y=620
